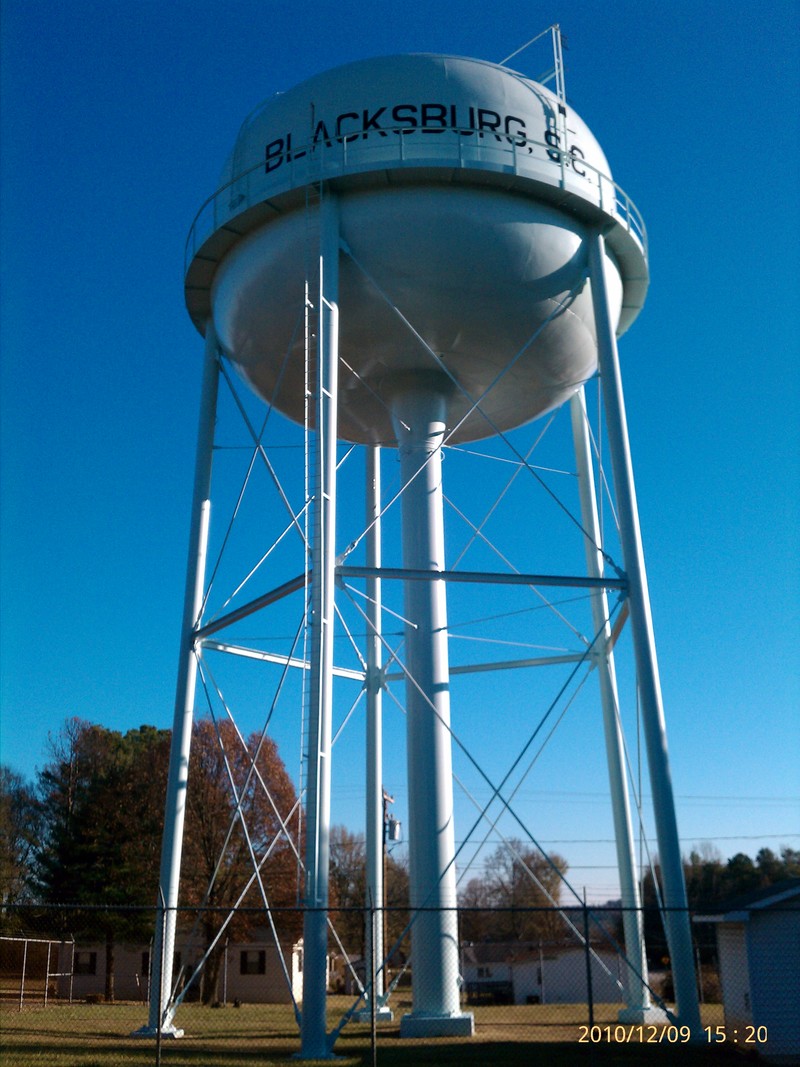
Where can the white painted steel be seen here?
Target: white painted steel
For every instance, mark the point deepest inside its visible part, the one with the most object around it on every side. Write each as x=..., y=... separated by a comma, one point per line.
x=172, y=842
x=638, y=1008
x=407, y=574
x=466, y=191
x=676, y=918
x=419, y=414
x=370, y=115
x=313, y=1029
x=279, y=658
x=374, y=696
x=475, y=271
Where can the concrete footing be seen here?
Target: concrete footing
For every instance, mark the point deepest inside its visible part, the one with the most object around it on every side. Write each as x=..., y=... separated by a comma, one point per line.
x=419, y=1024
x=650, y=1015
x=382, y=1014
x=169, y=1032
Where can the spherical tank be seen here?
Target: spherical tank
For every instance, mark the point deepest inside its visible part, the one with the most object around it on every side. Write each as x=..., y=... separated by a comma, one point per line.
x=465, y=192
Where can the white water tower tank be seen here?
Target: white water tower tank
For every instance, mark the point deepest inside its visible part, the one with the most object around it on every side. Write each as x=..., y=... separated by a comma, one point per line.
x=442, y=213
x=465, y=193
x=471, y=261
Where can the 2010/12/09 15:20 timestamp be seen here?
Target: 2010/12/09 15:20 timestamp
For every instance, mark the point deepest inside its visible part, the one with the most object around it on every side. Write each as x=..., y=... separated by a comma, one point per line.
x=672, y=1035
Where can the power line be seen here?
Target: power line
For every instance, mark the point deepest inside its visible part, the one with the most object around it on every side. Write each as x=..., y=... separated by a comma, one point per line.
x=678, y=796
x=684, y=840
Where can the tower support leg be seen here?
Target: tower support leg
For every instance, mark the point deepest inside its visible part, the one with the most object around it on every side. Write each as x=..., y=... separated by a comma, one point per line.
x=175, y=811
x=638, y=1007
x=418, y=413
x=676, y=907
x=313, y=1030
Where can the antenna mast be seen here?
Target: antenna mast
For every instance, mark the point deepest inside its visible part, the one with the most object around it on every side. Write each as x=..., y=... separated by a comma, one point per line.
x=556, y=73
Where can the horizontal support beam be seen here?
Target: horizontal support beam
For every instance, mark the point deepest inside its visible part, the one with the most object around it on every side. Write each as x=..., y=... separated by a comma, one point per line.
x=483, y=577
x=249, y=609
x=507, y=664
x=400, y=574
x=274, y=657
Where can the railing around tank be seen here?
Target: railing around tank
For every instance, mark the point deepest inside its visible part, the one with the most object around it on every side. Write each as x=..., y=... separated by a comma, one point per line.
x=339, y=156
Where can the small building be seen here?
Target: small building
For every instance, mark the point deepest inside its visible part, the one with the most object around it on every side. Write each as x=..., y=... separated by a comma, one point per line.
x=251, y=972
x=535, y=972
x=758, y=943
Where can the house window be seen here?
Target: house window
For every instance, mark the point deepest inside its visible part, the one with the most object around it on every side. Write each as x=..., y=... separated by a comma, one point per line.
x=484, y=972
x=85, y=963
x=253, y=961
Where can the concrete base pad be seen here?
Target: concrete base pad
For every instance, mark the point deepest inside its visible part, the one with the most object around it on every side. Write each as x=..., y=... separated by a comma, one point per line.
x=651, y=1015
x=382, y=1015
x=417, y=1024
x=168, y=1032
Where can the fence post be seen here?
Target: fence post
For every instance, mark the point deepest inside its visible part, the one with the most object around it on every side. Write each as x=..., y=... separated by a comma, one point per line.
x=699, y=968
x=373, y=982
x=22, y=976
x=588, y=954
x=47, y=972
x=162, y=926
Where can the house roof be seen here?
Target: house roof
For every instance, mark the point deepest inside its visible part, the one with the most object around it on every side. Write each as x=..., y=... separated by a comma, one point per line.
x=783, y=894
x=483, y=952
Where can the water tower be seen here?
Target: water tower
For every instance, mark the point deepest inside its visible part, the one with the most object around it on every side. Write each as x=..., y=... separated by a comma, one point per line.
x=472, y=264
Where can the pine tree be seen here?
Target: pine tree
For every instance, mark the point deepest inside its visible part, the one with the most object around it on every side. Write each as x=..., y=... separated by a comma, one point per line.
x=101, y=796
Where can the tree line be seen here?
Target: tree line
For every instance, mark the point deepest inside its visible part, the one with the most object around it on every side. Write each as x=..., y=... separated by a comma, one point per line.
x=84, y=839
x=710, y=880
x=86, y=834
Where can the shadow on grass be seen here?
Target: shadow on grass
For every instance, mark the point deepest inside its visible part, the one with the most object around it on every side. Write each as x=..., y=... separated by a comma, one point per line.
x=558, y=1054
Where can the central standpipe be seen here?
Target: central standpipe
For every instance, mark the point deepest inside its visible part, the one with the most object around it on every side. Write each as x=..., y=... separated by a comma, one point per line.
x=418, y=413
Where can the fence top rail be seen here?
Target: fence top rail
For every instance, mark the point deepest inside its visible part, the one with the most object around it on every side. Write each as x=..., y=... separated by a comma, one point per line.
x=39, y=940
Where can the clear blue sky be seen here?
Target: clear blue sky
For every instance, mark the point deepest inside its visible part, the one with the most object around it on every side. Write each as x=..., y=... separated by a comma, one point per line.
x=117, y=118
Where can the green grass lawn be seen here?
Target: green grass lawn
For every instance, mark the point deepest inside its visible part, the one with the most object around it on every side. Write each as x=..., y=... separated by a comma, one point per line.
x=82, y=1035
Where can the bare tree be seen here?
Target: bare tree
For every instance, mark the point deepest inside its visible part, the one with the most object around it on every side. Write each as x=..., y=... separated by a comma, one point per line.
x=347, y=887
x=19, y=832
x=516, y=898
x=348, y=881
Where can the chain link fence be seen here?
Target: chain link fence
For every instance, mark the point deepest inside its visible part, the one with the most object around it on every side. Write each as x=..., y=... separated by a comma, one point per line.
x=76, y=982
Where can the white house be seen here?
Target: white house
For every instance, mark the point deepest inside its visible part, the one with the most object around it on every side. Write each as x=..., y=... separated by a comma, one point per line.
x=251, y=972
x=532, y=972
x=758, y=941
